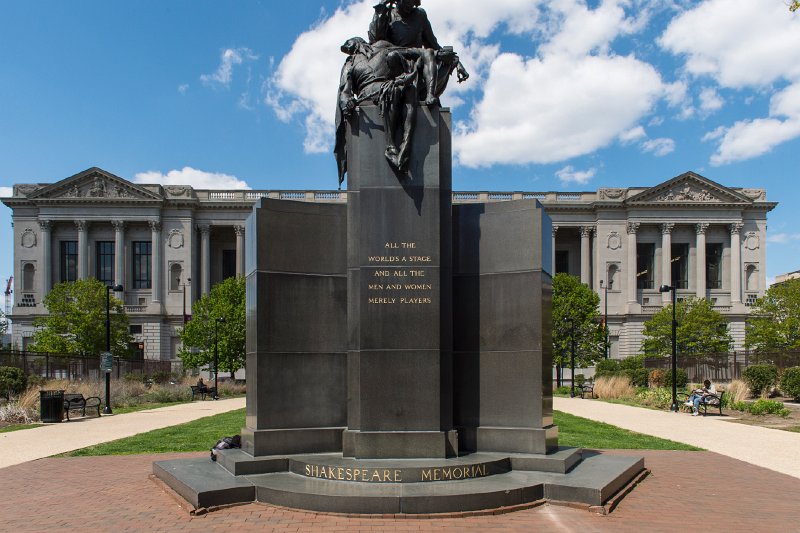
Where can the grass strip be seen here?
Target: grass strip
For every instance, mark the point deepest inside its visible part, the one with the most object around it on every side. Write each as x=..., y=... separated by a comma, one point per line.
x=202, y=434
x=17, y=427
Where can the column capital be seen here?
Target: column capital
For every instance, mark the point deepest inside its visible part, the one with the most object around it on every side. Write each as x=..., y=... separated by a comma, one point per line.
x=119, y=225
x=238, y=230
x=155, y=224
x=586, y=231
x=667, y=228
x=701, y=228
x=82, y=225
x=736, y=227
x=633, y=228
x=45, y=225
x=204, y=228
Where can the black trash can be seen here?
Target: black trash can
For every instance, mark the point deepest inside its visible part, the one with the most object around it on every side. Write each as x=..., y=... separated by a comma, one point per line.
x=51, y=405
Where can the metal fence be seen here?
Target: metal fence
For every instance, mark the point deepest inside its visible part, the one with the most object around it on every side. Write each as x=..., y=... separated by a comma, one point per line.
x=72, y=366
x=724, y=366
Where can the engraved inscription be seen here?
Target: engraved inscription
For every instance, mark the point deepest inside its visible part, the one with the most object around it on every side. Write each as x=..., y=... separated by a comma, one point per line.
x=394, y=284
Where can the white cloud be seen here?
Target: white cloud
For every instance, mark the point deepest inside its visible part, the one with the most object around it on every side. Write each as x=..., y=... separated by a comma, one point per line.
x=549, y=109
x=710, y=100
x=632, y=135
x=229, y=58
x=659, y=147
x=782, y=238
x=738, y=43
x=568, y=175
x=183, y=88
x=6, y=192
x=750, y=138
x=198, y=179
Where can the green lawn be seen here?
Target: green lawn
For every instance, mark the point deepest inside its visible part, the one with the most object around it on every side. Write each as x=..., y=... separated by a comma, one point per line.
x=17, y=427
x=201, y=435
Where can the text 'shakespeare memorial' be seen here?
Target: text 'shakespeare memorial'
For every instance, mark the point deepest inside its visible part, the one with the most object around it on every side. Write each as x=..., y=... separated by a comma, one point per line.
x=399, y=350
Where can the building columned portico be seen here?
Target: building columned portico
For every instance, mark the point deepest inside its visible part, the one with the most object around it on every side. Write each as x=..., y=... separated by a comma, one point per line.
x=706, y=239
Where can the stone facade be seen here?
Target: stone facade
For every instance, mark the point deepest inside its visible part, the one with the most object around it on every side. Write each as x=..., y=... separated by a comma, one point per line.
x=623, y=242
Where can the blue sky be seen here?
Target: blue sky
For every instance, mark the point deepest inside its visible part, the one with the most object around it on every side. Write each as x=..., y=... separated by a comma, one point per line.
x=564, y=94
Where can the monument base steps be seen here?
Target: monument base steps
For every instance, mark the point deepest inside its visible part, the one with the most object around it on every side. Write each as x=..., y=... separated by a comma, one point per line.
x=332, y=483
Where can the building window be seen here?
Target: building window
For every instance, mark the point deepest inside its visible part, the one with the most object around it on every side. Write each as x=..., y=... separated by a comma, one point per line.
x=680, y=266
x=104, y=265
x=228, y=263
x=562, y=261
x=714, y=265
x=69, y=260
x=136, y=329
x=645, y=263
x=142, y=254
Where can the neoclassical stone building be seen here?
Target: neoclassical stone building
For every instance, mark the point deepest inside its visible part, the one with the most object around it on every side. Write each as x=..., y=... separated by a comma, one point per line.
x=167, y=245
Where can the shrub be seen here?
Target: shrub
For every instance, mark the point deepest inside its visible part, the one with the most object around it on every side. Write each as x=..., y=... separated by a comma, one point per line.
x=790, y=382
x=12, y=381
x=606, y=367
x=134, y=377
x=612, y=387
x=638, y=376
x=580, y=379
x=656, y=378
x=657, y=397
x=762, y=407
x=632, y=363
x=681, y=378
x=14, y=414
x=563, y=391
x=760, y=378
x=736, y=391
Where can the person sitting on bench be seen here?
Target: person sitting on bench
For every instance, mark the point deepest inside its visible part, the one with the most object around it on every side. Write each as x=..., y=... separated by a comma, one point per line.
x=699, y=395
x=201, y=385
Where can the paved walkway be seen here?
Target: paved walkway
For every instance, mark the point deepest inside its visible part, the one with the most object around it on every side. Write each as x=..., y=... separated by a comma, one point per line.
x=769, y=448
x=29, y=444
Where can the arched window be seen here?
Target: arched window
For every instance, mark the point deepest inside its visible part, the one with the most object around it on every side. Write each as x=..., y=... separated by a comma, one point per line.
x=28, y=277
x=175, y=277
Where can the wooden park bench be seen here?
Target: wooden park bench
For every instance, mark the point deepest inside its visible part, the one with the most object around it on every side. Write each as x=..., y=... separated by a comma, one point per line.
x=712, y=400
x=587, y=388
x=202, y=392
x=76, y=402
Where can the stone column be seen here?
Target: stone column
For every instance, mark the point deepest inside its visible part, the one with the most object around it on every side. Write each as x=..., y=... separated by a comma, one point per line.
x=83, y=252
x=155, y=232
x=553, y=266
x=47, y=260
x=633, y=227
x=586, y=260
x=700, y=259
x=205, y=257
x=666, y=260
x=736, y=263
x=119, y=252
x=239, y=231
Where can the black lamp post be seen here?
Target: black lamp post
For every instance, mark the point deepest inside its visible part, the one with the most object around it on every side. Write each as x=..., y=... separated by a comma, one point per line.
x=571, y=323
x=605, y=287
x=671, y=288
x=188, y=282
x=109, y=288
x=216, y=357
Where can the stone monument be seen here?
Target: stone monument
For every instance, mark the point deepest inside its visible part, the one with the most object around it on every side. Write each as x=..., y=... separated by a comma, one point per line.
x=398, y=347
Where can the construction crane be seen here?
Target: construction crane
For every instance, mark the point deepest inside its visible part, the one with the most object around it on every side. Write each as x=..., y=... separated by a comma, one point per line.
x=10, y=281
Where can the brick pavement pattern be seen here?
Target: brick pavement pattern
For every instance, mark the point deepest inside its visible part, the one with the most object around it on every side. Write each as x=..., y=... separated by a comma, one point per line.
x=686, y=490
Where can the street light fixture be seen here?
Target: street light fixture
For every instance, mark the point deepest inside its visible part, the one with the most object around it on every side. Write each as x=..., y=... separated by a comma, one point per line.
x=219, y=320
x=605, y=287
x=672, y=289
x=109, y=288
x=571, y=322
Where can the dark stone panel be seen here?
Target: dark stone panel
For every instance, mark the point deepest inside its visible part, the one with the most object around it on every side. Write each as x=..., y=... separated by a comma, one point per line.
x=298, y=390
x=500, y=237
x=261, y=442
x=399, y=390
x=507, y=395
x=297, y=313
x=302, y=237
x=517, y=440
x=203, y=483
x=240, y=463
x=400, y=444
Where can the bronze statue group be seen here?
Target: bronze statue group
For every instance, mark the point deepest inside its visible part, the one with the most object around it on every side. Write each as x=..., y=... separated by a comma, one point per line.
x=401, y=65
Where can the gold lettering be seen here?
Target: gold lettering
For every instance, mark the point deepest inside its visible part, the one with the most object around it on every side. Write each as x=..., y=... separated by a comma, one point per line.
x=400, y=274
x=375, y=474
x=397, y=475
x=386, y=476
x=364, y=474
x=426, y=475
x=323, y=474
x=340, y=473
x=381, y=273
x=381, y=300
x=408, y=244
x=391, y=245
x=447, y=473
x=467, y=472
x=308, y=470
x=458, y=473
x=437, y=474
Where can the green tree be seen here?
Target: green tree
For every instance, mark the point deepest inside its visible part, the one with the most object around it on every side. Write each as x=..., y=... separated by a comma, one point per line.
x=701, y=330
x=226, y=300
x=76, y=321
x=774, y=322
x=3, y=324
x=794, y=6
x=578, y=304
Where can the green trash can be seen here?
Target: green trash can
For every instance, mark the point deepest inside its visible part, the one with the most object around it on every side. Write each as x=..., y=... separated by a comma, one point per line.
x=51, y=405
